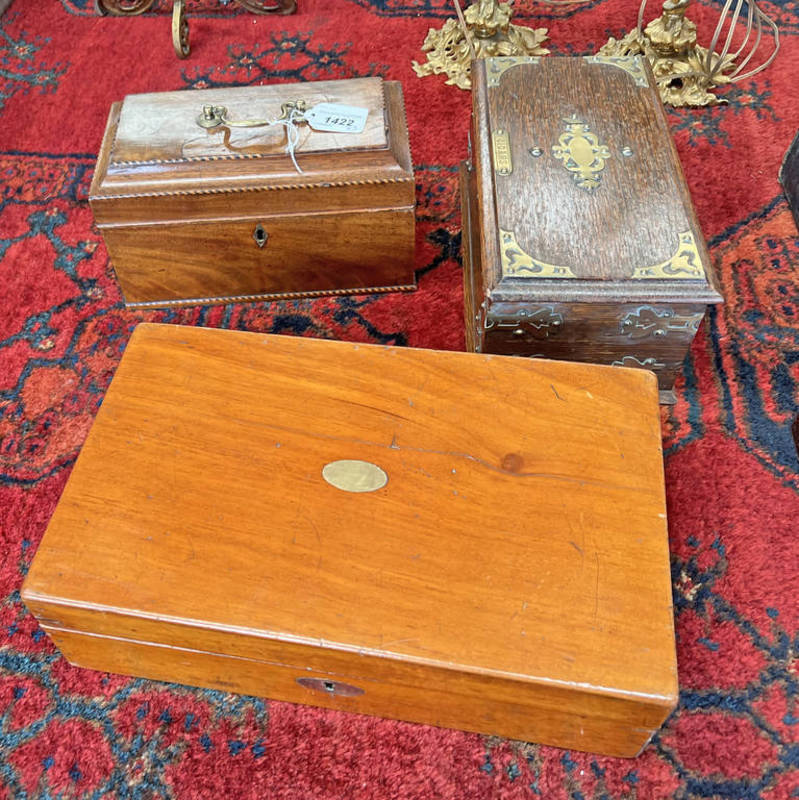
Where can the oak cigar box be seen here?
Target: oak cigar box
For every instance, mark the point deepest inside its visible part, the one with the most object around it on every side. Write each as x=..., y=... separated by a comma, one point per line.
x=343, y=525
x=192, y=206
x=580, y=238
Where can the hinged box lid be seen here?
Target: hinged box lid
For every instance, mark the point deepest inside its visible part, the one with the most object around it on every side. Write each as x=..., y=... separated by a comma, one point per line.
x=580, y=183
x=503, y=517
x=155, y=149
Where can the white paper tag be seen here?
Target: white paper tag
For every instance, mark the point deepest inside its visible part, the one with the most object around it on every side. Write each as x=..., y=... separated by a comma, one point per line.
x=336, y=118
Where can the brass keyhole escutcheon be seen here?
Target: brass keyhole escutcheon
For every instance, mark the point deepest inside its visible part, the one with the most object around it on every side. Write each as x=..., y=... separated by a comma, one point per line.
x=331, y=688
x=260, y=235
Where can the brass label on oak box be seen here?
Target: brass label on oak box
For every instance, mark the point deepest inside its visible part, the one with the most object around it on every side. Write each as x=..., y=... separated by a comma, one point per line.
x=503, y=164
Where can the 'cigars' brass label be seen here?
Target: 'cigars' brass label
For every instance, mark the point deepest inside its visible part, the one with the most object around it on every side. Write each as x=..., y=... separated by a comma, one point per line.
x=503, y=165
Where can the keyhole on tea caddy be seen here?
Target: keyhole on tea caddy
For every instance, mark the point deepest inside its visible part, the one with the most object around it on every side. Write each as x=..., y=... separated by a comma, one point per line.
x=330, y=686
x=260, y=235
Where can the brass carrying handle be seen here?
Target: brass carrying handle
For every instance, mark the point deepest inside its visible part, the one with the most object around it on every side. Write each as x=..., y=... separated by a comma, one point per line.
x=216, y=116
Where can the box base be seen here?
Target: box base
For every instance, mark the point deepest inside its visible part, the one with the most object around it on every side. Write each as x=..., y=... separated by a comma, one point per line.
x=456, y=706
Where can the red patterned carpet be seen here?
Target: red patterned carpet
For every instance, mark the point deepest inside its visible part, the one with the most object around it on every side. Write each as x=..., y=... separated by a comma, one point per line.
x=731, y=468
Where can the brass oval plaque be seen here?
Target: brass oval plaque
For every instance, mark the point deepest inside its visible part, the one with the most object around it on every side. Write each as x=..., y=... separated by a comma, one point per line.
x=351, y=475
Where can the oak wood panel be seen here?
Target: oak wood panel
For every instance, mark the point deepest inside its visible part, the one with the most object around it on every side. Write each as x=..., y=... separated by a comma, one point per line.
x=514, y=290
x=525, y=544
x=591, y=332
x=220, y=258
x=631, y=220
x=633, y=217
x=485, y=216
x=615, y=232
x=596, y=333
x=436, y=697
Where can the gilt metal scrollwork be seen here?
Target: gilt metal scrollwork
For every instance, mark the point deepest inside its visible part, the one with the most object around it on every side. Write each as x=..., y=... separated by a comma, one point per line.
x=483, y=31
x=518, y=264
x=269, y=6
x=180, y=24
x=498, y=66
x=180, y=29
x=632, y=361
x=541, y=322
x=647, y=321
x=582, y=154
x=685, y=263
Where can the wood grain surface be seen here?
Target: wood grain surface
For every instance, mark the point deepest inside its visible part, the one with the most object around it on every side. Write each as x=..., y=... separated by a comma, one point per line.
x=516, y=562
x=269, y=179
x=162, y=125
x=632, y=219
x=303, y=252
x=470, y=257
x=446, y=698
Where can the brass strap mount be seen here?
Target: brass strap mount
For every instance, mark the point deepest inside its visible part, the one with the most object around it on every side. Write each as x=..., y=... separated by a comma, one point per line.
x=216, y=116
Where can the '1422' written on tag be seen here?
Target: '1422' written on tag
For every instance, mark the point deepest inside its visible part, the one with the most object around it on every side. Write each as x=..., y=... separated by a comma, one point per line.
x=337, y=118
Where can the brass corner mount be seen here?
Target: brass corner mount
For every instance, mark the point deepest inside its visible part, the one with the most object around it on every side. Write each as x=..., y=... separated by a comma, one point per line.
x=483, y=31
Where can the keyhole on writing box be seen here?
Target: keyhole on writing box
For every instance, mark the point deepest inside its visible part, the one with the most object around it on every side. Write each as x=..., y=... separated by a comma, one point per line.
x=260, y=235
x=330, y=686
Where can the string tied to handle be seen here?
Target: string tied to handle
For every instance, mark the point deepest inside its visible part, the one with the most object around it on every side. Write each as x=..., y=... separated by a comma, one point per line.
x=292, y=115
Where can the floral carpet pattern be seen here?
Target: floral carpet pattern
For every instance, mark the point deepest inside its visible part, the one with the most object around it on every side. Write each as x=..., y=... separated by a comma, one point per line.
x=731, y=467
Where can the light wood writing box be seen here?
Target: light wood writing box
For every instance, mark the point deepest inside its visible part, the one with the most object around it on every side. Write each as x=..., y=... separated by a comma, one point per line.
x=580, y=238
x=511, y=577
x=190, y=214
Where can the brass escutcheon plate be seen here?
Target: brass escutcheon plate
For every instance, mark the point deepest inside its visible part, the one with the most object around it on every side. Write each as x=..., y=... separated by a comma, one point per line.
x=582, y=154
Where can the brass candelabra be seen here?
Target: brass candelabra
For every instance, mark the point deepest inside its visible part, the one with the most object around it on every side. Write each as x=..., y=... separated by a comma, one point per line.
x=688, y=74
x=482, y=31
